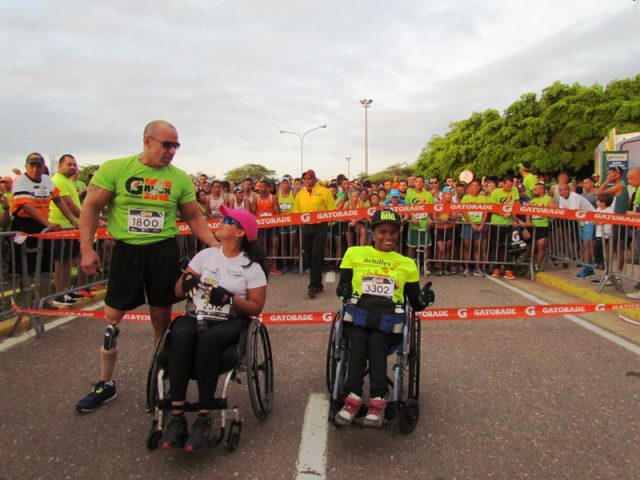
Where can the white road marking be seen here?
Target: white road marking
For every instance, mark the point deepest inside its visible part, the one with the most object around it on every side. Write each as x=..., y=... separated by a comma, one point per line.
x=312, y=457
x=632, y=347
x=13, y=341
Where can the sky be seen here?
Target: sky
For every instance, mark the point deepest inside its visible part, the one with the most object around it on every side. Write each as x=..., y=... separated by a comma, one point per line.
x=85, y=77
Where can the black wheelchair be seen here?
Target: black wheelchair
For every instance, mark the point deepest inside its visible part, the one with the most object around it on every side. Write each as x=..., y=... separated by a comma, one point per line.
x=403, y=380
x=251, y=355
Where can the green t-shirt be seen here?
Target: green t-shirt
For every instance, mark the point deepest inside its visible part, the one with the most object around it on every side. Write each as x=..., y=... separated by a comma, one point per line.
x=539, y=220
x=501, y=197
x=415, y=198
x=67, y=189
x=80, y=185
x=143, y=209
x=476, y=217
x=387, y=271
x=529, y=182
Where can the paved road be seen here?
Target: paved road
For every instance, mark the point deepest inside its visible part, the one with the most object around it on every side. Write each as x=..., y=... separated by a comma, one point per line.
x=536, y=398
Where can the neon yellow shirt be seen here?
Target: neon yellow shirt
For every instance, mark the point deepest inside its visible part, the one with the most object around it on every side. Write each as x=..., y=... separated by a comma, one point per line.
x=529, y=181
x=143, y=209
x=67, y=189
x=539, y=220
x=369, y=262
x=318, y=200
x=499, y=196
x=476, y=217
x=415, y=198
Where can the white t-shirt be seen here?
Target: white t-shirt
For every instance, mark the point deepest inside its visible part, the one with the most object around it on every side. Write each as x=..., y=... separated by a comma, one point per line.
x=232, y=274
x=575, y=202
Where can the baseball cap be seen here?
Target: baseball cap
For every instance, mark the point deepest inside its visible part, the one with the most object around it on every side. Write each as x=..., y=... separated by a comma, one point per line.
x=366, y=183
x=309, y=173
x=285, y=179
x=238, y=189
x=244, y=218
x=385, y=216
x=523, y=166
x=394, y=192
x=35, y=158
x=448, y=188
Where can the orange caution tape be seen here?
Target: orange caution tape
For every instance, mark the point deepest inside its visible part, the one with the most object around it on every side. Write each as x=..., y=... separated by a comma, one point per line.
x=504, y=312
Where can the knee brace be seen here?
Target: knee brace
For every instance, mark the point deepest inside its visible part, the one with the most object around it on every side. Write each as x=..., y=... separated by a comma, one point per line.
x=110, y=337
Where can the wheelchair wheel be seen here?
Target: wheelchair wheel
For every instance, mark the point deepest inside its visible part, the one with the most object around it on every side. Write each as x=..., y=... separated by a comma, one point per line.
x=259, y=370
x=414, y=358
x=408, y=415
x=330, y=370
x=152, y=376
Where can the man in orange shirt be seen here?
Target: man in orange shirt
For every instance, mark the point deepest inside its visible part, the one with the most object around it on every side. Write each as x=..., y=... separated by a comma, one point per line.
x=32, y=193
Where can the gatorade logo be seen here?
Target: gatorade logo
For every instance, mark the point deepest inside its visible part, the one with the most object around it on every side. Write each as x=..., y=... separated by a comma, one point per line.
x=371, y=211
x=507, y=208
x=438, y=207
x=327, y=317
x=149, y=188
x=580, y=214
x=530, y=311
x=600, y=307
x=305, y=217
x=462, y=312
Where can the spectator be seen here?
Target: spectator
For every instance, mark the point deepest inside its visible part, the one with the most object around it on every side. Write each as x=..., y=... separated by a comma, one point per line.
x=615, y=185
x=313, y=198
x=70, y=249
x=418, y=222
x=473, y=235
x=604, y=235
x=572, y=201
x=529, y=180
x=289, y=239
x=540, y=223
x=394, y=199
x=34, y=191
x=443, y=224
x=216, y=200
x=267, y=206
x=500, y=228
x=5, y=206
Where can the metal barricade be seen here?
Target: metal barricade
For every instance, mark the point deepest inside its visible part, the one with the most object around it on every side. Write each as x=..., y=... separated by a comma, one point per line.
x=9, y=278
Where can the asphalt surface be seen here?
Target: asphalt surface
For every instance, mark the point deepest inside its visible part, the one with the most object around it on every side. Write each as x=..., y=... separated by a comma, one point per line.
x=506, y=399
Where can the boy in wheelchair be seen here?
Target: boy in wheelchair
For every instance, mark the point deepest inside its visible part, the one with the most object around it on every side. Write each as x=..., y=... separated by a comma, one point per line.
x=374, y=282
x=224, y=286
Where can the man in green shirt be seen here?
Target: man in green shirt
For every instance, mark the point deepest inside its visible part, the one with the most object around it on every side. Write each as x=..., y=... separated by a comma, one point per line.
x=144, y=193
x=418, y=222
x=507, y=194
x=529, y=180
x=69, y=249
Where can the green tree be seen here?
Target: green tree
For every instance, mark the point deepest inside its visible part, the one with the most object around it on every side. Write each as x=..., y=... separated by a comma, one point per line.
x=400, y=170
x=250, y=170
x=86, y=172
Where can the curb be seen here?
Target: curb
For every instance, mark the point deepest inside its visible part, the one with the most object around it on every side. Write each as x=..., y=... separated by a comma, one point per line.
x=585, y=293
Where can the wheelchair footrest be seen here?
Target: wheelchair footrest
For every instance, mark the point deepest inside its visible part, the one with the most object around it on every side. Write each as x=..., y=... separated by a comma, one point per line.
x=217, y=404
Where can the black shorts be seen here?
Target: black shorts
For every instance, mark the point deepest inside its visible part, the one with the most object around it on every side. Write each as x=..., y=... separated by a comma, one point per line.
x=66, y=250
x=143, y=274
x=29, y=225
x=443, y=234
x=541, y=232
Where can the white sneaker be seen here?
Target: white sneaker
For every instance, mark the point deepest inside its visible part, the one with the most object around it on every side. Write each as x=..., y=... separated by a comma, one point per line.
x=350, y=409
x=635, y=295
x=375, y=413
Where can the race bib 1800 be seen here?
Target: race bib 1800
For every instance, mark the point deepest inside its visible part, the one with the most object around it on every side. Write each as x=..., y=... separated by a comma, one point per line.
x=145, y=221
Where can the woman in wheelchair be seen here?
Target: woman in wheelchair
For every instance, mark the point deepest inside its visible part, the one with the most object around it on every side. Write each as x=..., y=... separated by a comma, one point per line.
x=224, y=286
x=374, y=282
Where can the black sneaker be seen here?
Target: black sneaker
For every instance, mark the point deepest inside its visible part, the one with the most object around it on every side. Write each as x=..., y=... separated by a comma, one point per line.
x=200, y=434
x=312, y=292
x=63, y=301
x=175, y=433
x=75, y=296
x=99, y=394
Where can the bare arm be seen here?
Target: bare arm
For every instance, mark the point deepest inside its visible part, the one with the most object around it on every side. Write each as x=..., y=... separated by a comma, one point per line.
x=64, y=208
x=253, y=304
x=197, y=223
x=73, y=208
x=97, y=198
x=37, y=216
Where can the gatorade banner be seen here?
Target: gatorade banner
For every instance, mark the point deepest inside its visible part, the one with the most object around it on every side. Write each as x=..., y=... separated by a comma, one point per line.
x=364, y=213
x=432, y=314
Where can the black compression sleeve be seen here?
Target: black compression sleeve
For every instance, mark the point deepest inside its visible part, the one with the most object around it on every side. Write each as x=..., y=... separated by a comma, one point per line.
x=412, y=292
x=346, y=276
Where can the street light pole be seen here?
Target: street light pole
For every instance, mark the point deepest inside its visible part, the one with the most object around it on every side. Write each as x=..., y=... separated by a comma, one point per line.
x=301, y=137
x=366, y=103
x=348, y=167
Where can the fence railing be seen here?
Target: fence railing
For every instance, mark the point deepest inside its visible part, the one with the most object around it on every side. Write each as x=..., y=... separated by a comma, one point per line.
x=29, y=270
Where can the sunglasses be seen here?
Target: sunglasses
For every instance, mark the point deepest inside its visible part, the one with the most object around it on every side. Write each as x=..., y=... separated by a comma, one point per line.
x=231, y=221
x=167, y=145
x=433, y=183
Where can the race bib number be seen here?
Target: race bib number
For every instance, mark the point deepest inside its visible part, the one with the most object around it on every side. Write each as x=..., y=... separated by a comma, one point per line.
x=379, y=286
x=145, y=221
x=285, y=207
x=475, y=215
x=420, y=216
x=201, y=299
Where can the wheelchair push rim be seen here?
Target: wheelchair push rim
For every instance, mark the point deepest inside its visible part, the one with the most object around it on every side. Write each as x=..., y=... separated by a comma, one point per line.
x=259, y=370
